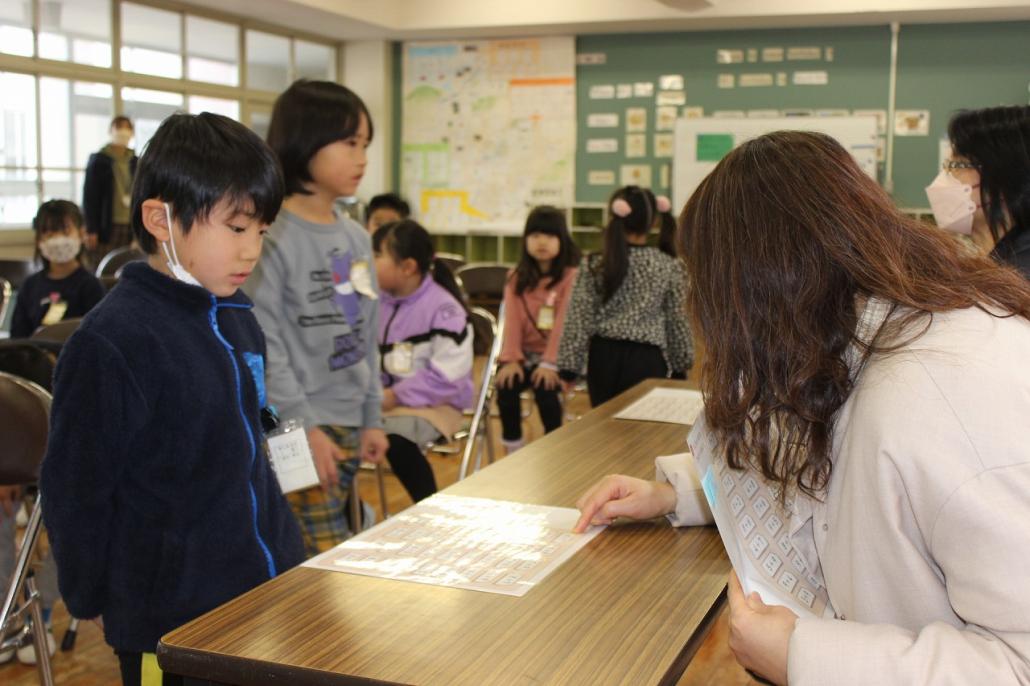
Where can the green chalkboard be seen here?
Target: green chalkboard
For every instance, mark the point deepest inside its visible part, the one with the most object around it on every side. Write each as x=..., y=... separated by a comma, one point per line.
x=857, y=78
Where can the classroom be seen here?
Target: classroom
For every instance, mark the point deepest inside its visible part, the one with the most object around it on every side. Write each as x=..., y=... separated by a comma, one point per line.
x=446, y=342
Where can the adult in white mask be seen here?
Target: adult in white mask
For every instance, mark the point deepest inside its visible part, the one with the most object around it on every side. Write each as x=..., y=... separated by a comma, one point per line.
x=984, y=188
x=107, y=191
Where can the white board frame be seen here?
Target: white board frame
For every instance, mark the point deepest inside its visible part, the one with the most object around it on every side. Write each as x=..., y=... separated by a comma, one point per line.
x=858, y=135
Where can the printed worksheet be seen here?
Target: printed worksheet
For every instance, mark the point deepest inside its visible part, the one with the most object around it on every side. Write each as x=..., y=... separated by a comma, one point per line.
x=755, y=529
x=669, y=405
x=478, y=544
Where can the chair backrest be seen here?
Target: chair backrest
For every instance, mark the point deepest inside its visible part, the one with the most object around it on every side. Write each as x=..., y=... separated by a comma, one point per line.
x=484, y=281
x=452, y=260
x=112, y=262
x=29, y=360
x=24, y=424
x=16, y=271
x=57, y=333
x=108, y=282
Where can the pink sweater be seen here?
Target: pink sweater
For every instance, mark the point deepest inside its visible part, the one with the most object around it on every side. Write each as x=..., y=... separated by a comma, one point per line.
x=521, y=312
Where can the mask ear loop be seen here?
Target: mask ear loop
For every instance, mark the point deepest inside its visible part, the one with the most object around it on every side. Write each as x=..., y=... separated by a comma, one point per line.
x=173, y=257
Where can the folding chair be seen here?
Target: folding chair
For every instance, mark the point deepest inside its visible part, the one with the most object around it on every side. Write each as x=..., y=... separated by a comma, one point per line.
x=6, y=296
x=452, y=260
x=16, y=271
x=479, y=428
x=111, y=264
x=57, y=333
x=24, y=424
x=484, y=282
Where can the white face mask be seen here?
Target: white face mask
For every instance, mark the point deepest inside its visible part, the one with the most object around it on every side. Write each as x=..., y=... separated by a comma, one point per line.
x=121, y=137
x=60, y=249
x=172, y=259
x=952, y=203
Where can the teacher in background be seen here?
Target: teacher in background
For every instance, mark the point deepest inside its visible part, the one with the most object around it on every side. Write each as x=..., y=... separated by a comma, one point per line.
x=876, y=371
x=984, y=188
x=107, y=193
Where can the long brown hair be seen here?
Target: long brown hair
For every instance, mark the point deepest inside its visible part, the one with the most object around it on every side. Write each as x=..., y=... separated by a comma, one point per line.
x=780, y=240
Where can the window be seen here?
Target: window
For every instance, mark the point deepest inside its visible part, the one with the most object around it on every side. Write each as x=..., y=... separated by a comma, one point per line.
x=16, y=28
x=76, y=116
x=76, y=31
x=212, y=51
x=229, y=108
x=148, y=109
x=314, y=61
x=18, y=178
x=268, y=61
x=151, y=41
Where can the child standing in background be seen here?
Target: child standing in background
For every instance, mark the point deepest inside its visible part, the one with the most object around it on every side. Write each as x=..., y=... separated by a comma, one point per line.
x=627, y=320
x=315, y=296
x=425, y=340
x=535, y=299
x=385, y=208
x=63, y=288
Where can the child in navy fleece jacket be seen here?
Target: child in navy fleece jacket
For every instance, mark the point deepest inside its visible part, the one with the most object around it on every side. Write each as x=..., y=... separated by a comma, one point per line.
x=157, y=496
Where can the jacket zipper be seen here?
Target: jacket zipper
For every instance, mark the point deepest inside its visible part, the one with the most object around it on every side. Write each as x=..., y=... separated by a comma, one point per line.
x=213, y=318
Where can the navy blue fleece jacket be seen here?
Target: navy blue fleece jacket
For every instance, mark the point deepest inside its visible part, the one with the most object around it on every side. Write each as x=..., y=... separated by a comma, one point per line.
x=157, y=496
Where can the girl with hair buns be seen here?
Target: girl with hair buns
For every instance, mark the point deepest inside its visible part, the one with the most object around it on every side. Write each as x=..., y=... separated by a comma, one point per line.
x=626, y=320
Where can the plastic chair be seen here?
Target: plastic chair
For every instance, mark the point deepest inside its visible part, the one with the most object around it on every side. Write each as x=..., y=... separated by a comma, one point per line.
x=29, y=360
x=57, y=333
x=111, y=263
x=24, y=425
x=484, y=282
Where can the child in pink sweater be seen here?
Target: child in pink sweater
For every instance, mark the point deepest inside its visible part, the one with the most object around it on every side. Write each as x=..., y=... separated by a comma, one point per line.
x=535, y=299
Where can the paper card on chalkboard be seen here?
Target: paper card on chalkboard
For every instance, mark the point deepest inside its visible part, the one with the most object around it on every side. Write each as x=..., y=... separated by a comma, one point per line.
x=665, y=119
x=635, y=175
x=602, y=120
x=663, y=145
x=752, y=54
x=601, y=177
x=729, y=56
x=670, y=82
x=623, y=91
x=636, y=145
x=804, y=53
x=756, y=80
x=881, y=119
x=693, y=112
x=725, y=80
x=602, y=92
x=643, y=89
x=636, y=119
x=602, y=145
x=811, y=78
x=671, y=98
x=729, y=114
x=663, y=176
x=762, y=114
x=712, y=147
x=912, y=122
x=772, y=54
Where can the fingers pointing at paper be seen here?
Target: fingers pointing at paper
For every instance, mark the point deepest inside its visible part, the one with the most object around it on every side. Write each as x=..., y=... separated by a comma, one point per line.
x=618, y=495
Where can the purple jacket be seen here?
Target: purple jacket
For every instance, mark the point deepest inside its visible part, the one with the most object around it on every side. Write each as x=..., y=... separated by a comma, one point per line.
x=425, y=345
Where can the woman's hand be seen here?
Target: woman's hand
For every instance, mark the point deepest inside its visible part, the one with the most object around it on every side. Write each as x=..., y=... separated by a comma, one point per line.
x=759, y=633
x=623, y=496
x=510, y=374
x=545, y=378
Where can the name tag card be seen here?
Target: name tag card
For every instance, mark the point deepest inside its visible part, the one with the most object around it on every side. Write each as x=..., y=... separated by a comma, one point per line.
x=291, y=457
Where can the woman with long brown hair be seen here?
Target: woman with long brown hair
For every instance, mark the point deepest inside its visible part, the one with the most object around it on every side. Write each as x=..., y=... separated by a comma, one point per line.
x=863, y=364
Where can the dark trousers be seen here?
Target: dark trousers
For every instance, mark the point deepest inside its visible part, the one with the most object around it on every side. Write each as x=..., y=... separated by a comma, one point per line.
x=411, y=467
x=614, y=366
x=509, y=403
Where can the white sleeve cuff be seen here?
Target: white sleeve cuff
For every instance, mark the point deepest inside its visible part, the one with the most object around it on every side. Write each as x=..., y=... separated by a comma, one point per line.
x=691, y=505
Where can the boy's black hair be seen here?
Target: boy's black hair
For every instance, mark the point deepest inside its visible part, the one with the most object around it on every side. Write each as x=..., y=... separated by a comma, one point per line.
x=194, y=161
x=52, y=217
x=390, y=201
x=407, y=238
x=308, y=116
x=551, y=221
x=997, y=141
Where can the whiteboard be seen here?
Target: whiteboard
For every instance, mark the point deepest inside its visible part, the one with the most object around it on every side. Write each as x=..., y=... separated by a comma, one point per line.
x=693, y=162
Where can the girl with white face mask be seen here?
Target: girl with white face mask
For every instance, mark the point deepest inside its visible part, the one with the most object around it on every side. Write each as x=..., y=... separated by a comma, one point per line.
x=63, y=288
x=984, y=188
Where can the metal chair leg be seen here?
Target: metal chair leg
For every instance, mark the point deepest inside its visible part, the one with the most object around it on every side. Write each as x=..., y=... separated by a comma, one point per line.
x=354, y=503
x=68, y=642
x=39, y=635
x=382, y=490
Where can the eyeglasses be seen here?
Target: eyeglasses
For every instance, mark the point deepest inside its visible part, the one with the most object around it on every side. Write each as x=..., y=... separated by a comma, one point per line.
x=952, y=165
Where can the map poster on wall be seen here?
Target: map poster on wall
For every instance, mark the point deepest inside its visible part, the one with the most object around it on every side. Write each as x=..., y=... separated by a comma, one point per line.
x=488, y=130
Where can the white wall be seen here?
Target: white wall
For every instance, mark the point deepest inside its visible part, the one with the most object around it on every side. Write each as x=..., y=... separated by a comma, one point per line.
x=367, y=70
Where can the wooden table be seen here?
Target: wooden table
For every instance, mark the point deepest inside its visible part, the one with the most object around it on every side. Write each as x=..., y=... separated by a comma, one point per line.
x=632, y=607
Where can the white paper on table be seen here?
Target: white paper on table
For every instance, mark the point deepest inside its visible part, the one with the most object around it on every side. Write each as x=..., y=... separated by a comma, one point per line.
x=669, y=405
x=478, y=544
